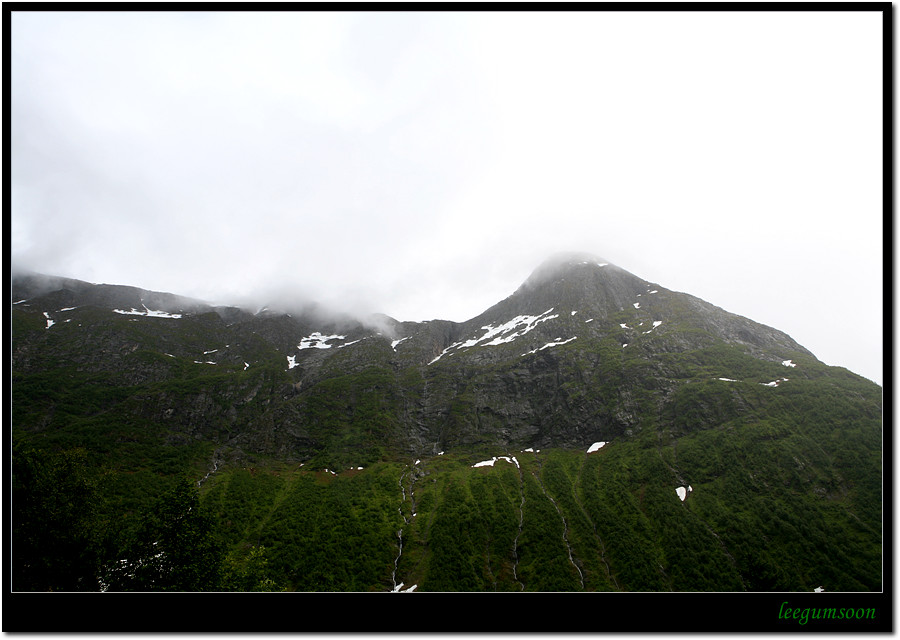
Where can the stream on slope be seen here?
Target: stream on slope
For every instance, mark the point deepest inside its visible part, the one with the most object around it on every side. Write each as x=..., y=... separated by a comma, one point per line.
x=412, y=478
x=515, y=549
x=565, y=524
x=580, y=504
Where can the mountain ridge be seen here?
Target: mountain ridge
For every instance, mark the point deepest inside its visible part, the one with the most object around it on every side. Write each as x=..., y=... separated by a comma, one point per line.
x=545, y=288
x=575, y=319
x=591, y=431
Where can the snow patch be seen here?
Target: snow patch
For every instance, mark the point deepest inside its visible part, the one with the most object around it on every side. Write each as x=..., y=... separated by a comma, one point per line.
x=550, y=344
x=637, y=305
x=529, y=322
x=595, y=447
x=727, y=380
x=490, y=463
x=506, y=332
x=397, y=342
x=683, y=492
x=656, y=323
x=66, y=309
x=774, y=383
x=788, y=363
x=442, y=353
x=50, y=322
x=147, y=312
x=318, y=341
x=624, y=326
x=292, y=361
x=247, y=365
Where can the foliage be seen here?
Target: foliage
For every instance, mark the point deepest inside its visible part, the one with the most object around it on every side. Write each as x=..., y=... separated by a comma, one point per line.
x=248, y=572
x=57, y=534
x=328, y=478
x=174, y=548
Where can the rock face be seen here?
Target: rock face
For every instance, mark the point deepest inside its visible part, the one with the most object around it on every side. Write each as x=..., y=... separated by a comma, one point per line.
x=731, y=458
x=583, y=351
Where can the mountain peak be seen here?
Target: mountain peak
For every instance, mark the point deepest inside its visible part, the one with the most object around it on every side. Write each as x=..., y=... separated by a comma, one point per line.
x=577, y=280
x=563, y=262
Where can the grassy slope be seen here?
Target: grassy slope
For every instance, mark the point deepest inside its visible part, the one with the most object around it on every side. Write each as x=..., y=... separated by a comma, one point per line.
x=786, y=480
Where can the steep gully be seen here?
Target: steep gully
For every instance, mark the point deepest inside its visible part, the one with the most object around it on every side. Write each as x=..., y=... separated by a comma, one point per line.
x=563, y=518
x=515, y=548
x=677, y=474
x=406, y=520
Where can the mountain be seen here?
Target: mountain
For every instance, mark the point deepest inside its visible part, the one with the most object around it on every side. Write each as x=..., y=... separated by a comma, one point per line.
x=592, y=431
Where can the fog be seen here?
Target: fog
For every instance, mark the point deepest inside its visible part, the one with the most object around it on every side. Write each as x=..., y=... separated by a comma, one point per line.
x=422, y=164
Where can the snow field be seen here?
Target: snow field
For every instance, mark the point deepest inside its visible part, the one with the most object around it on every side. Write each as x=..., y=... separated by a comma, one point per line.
x=395, y=343
x=318, y=341
x=549, y=344
x=490, y=463
x=506, y=332
x=147, y=312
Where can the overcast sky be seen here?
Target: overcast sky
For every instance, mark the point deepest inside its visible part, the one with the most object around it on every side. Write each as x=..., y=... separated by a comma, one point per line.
x=423, y=164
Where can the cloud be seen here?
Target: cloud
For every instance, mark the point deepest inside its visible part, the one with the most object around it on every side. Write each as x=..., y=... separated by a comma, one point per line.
x=421, y=164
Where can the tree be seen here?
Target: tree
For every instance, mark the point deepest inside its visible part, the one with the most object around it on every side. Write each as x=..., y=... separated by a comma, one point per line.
x=174, y=548
x=56, y=532
x=250, y=573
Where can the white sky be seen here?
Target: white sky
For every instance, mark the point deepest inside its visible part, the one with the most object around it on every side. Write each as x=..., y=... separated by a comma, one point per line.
x=423, y=164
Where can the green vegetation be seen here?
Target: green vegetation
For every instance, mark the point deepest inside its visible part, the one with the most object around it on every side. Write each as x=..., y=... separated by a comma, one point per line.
x=609, y=520
x=57, y=530
x=139, y=466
